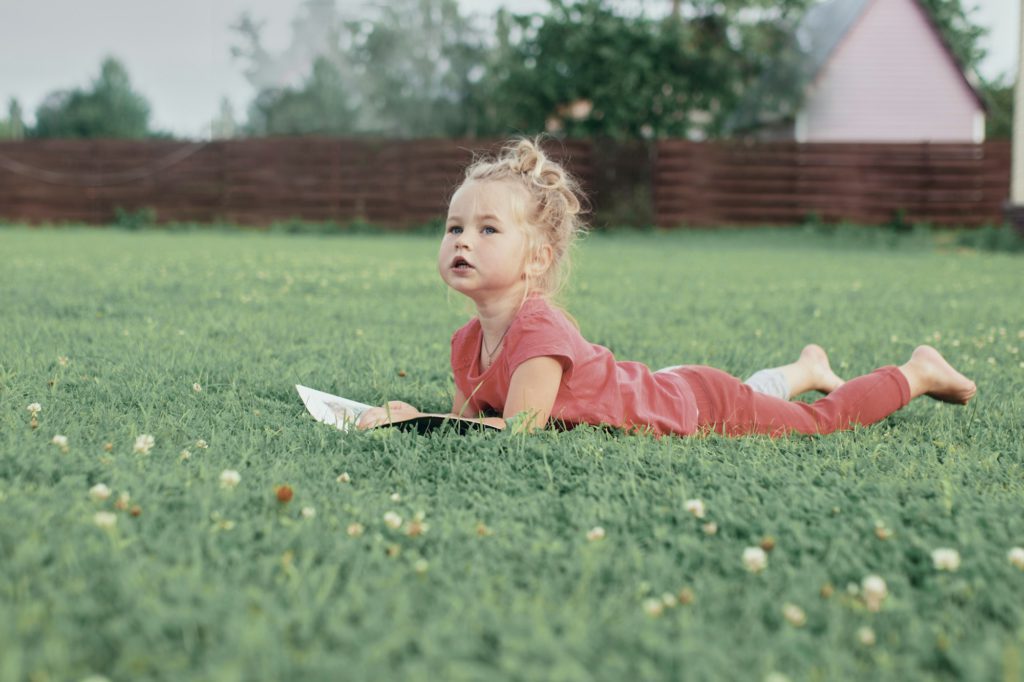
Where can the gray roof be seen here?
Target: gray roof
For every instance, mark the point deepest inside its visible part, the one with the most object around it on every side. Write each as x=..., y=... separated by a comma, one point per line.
x=823, y=26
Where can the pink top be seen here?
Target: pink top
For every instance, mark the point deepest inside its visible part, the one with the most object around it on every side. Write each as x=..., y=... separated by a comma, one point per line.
x=595, y=388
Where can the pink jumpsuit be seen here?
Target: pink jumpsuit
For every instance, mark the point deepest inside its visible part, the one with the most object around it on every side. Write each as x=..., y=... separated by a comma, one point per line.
x=728, y=406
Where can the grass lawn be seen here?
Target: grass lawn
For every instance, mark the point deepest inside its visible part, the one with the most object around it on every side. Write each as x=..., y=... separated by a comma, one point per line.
x=201, y=336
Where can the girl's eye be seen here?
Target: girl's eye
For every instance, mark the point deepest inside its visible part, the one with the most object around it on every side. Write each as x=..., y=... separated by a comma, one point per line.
x=489, y=230
x=455, y=229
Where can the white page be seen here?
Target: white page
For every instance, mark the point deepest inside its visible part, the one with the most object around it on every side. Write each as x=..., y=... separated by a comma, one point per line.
x=331, y=409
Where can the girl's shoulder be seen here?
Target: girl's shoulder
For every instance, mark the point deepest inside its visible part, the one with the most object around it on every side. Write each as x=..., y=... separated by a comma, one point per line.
x=538, y=309
x=466, y=330
x=539, y=318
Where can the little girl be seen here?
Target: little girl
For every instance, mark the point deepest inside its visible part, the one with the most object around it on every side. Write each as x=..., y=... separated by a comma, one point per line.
x=506, y=246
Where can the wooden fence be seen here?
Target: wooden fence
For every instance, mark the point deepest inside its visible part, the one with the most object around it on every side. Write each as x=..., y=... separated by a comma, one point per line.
x=402, y=183
x=786, y=183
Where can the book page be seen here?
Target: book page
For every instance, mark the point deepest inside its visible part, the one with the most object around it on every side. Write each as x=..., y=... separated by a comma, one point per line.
x=331, y=409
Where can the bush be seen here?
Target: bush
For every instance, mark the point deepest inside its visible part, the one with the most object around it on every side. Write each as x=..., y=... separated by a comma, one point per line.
x=993, y=238
x=134, y=220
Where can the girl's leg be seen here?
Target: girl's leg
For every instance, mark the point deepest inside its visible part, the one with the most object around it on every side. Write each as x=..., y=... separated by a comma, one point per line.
x=732, y=408
x=811, y=372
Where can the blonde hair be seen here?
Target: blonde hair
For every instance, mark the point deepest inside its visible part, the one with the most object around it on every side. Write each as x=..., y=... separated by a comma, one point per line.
x=557, y=202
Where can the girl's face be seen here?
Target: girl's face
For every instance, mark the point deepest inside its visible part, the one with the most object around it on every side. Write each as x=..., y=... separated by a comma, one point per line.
x=483, y=253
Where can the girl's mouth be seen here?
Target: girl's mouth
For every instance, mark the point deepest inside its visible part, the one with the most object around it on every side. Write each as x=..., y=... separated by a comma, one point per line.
x=460, y=263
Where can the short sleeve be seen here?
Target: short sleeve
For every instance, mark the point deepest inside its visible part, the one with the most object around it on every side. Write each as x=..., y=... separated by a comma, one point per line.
x=462, y=358
x=458, y=350
x=543, y=334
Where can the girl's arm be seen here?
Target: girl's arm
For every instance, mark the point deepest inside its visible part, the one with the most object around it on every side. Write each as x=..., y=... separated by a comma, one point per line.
x=397, y=411
x=460, y=405
x=532, y=390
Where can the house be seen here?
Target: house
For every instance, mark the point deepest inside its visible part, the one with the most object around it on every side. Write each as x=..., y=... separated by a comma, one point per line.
x=877, y=71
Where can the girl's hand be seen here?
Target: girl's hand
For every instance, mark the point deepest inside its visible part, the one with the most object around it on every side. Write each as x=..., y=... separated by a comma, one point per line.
x=393, y=411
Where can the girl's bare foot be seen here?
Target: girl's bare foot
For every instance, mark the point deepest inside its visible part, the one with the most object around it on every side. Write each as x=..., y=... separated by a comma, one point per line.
x=930, y=374
x=811, y=372
x=821, y=377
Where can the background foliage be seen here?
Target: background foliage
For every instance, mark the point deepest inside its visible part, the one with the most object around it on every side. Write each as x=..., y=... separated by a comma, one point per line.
x=110, y=108
x=422, y=68
x=582, y=67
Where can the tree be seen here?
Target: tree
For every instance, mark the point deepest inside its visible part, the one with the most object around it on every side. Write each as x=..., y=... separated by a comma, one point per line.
x=420, y=63
x=111, y=109
x=224, y=127
x=320, y=107
x=585, y=69
x=999, y=121
x=956, y=28
x=405, y=68
x=13, y=128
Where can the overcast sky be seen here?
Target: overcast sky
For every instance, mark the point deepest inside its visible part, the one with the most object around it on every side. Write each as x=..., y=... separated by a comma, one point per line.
x=178, y=51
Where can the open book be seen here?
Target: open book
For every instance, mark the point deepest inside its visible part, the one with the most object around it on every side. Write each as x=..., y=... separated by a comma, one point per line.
x=343, y=414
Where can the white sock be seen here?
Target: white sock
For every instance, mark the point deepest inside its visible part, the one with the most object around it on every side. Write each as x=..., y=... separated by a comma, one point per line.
x=770, y=382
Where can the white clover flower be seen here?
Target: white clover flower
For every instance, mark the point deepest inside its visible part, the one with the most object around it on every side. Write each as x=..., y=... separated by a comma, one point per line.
x=392, y=520
x=709, y=528
x=395, y=497
x=60, y=441
x=755, y=559
x=794, y=615
x=946, y=559
x=355, y=529
x=874, y=586
x=35, y=408
x=308, y=513
x=62, y=360
x=143, y=444
x=866, y=636
x=201, y=444
x=421, y=566
x=105, y=519
x=99, y=492
x=229, y=478
x=343, y=477
x=695, y=507
x=669, y=600
x=875, y=591
x=185, y=454
x=196, y=387
x=595, y=533
x=653, y=607
x=1016, y=557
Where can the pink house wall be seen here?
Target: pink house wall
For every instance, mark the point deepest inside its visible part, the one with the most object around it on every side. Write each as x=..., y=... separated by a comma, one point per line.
x=890, y=79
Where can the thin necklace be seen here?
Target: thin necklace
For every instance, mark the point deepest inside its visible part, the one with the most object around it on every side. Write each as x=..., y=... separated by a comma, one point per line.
x=483, y=342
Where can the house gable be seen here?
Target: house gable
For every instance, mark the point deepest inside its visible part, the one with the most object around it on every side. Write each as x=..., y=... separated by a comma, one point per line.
x=890, y=77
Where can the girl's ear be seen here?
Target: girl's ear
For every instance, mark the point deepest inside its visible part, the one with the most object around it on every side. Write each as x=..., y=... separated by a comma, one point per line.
x=541, y=260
